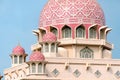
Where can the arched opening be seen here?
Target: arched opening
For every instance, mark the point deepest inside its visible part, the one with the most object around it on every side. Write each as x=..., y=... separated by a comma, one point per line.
x=15, y=59
x=53, y=47
x=40, y=68
x=80, y=32
x=66, y=32
x=106, y=32
x=93, y=33
x=54, y=30
x=20, y=59
x=43, y=32
x=46, y=47
x=33, y=68
x=86, y=53
x=102, y=34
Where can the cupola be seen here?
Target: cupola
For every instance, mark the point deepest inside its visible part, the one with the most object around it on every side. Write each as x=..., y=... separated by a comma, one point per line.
x=36, y=63
x=49, y=45
x=18, y=55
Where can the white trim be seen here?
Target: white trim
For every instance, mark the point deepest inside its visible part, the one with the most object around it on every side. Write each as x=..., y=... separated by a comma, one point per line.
x=94, y=25
x=103, y=27
x=107, y=30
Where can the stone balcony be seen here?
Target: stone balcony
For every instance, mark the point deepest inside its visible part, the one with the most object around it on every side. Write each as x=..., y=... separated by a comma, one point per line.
x=98, y=42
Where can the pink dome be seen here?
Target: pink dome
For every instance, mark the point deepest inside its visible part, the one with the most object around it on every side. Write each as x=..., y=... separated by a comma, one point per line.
x=37, y=56
x=58, y=12
x=18, y=50
x=49, y=37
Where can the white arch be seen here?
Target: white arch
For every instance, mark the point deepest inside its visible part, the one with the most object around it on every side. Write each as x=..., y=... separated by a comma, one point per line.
x=94, y=25
x=56, y=29
x=107, y=30
x=76, y=31
x=103, y=27
x=70, y=31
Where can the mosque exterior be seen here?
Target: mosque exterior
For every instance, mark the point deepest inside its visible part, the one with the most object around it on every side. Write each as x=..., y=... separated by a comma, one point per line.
x=72, y=45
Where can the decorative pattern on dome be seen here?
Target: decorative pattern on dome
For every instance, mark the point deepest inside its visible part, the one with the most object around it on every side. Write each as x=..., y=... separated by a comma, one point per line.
x=18, y=50
x=37, y=56
x=72, y=12
x=49, y=37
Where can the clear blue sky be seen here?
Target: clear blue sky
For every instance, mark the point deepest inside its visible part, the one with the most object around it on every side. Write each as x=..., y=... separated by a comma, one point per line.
x=19, y=17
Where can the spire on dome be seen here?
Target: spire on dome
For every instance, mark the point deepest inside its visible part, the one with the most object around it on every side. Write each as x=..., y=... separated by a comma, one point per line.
x=18, y=50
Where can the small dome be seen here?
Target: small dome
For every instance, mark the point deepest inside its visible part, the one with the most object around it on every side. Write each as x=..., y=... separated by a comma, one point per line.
x=18, y=50
x=66, y=12
x=49, y=37
x=37, y=56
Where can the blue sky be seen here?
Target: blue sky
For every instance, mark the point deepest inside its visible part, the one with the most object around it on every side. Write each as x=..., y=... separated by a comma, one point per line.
x=19, y=17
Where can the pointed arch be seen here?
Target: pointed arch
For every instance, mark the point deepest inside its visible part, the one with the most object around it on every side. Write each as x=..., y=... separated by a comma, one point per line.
x=66, y=32
x=107, y=30
x=33, y=68
x=102, y=32
x=15, y=59
x=53, y=47
x=54, y=30
x=46, y=47
x=86, y=53
x=40, y=68
x=20, y=59
x=80, y=31
x=42, y=30
x=93, y=33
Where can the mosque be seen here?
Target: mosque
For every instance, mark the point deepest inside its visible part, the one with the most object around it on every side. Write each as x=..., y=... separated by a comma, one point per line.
x=71, y=45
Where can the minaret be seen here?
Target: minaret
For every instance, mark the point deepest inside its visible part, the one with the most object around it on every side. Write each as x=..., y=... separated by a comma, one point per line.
x=49, y=45
x=18, y=55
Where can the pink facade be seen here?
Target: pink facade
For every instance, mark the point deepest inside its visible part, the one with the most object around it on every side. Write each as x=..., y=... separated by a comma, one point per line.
x=71, y=45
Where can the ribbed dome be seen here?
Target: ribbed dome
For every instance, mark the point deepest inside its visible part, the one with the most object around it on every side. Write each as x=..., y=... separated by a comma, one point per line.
x=37, y=56
x=49, y=37
x=58, y=12
x=18, y=50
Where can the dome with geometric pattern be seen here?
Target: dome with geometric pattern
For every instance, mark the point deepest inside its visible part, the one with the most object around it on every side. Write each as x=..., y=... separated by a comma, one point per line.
x=18, y=50
x=49, y=37
x=57, y=12
x=37, y=56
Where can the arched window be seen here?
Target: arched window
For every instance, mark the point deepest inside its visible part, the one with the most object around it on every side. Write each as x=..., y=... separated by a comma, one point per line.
x=102, y=34
x=43, y=32
x=92, y=33
x=46, y=47
x=52, y=47
x=15, y=59
x=66, y=32
x=20, y=59
x=33, y=68
x=86, y=53
x=39, y=68
x=80, y=32
x=54, y=30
